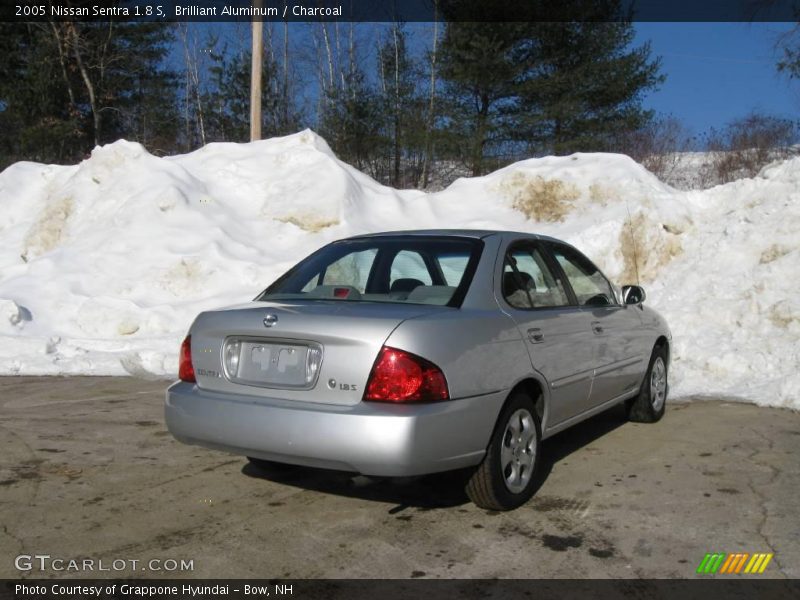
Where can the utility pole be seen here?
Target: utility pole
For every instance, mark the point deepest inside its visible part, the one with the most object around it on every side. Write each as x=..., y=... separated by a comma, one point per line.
x=255, y=74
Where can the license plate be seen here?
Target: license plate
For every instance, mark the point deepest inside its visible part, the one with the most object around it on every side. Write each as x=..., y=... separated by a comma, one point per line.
x=272, y=363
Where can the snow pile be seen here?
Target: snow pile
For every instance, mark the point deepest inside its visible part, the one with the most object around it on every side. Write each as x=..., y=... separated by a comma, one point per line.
x=104, y=265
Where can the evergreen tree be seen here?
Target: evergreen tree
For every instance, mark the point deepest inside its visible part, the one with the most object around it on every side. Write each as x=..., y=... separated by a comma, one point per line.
x=477, y=65
x=138, y=92
x=67, y=86
x=583, y=87
x=402, y=106
x=351, y=122
x=38, y=120
x=228, y=99
x=559, y=86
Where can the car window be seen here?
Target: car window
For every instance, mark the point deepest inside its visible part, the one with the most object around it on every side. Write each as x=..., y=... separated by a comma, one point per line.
x=351, y=270
x=589, y=284
x=409, y=265
x=528, y=282
x=406, y=269
x=453, y=266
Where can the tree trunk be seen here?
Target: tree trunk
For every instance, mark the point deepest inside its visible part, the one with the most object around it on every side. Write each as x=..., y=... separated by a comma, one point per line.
x=428, y=158
x=330, y=55
x=285, y=90
x=396, y=173
x=480, y=136
x=86, y=81
x=63, y=62
x=193, y=85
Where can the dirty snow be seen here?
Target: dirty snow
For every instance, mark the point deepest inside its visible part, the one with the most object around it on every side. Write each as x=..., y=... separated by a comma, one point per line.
x=104, y=265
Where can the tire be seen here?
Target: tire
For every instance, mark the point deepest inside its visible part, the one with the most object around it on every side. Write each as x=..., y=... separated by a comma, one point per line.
x=650, y=404
x=489, y=487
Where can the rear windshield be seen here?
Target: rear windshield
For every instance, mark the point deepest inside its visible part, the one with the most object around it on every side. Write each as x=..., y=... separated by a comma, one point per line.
x=410, y=270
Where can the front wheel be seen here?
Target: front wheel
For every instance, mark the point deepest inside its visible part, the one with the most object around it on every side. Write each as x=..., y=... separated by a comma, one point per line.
x=505, y=478
x=650, y=404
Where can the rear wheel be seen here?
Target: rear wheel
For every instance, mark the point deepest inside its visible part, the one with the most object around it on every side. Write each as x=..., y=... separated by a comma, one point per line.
x=505, y=478
x=650, y=404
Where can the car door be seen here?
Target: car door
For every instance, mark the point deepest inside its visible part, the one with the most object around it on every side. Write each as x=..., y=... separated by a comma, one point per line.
x=557, y=333
x=616, y=328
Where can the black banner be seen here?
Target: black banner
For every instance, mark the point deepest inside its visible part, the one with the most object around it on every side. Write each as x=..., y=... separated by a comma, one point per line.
x=400, y=589
x=401, y=10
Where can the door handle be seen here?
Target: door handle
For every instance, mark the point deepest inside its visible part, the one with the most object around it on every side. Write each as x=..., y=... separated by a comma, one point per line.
x=596, y=327
x=535, y=335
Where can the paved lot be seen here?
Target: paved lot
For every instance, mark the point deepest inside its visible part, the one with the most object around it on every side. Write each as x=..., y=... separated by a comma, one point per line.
x=87, y=469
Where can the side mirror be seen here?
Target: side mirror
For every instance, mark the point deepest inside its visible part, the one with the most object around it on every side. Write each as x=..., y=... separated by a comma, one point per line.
x=633, y=294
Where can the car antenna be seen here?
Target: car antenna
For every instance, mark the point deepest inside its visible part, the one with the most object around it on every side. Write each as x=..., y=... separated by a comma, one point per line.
x=633, y=242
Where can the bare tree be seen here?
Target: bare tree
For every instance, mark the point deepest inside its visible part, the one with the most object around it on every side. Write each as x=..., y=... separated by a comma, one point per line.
x=331, y=80
x=58, y=36
x=429, y=121
x=659, y=146
x=193, y=85
x=77, y=47
x=746, y=145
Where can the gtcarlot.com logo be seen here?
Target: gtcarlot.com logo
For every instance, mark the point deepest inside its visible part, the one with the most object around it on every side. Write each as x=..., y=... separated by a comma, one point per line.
x=45, y=562
x=720, y=563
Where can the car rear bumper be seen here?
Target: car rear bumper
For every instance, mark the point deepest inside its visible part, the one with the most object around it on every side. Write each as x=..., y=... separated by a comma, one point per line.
x=370, y=438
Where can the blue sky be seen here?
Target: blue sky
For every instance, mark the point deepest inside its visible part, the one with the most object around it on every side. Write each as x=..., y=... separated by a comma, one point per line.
x=715, y=72
x=719, y=71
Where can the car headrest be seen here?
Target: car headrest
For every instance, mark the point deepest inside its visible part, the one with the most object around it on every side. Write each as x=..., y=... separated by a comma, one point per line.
x=511, y=282
x=405, y=285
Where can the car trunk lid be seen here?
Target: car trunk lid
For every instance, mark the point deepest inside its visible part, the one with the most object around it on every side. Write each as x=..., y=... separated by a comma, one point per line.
x=320, y=351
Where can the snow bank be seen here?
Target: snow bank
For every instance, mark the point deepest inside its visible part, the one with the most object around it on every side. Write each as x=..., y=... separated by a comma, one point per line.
x=104, y=265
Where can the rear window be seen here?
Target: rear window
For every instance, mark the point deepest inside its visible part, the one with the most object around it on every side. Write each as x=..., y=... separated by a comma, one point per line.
x=409, y=270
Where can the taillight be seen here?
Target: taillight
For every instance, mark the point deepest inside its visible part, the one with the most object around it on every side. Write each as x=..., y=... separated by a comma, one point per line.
x=400, y=376
x=185, y=368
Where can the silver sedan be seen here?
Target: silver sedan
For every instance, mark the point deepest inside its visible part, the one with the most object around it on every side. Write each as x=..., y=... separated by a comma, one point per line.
x=407, y=353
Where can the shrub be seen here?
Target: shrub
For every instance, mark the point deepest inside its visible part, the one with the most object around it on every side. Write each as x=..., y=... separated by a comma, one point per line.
x=744, y=146
x=658, y=145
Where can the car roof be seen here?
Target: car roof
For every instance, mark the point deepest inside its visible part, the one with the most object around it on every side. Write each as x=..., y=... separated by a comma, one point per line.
x=472, y=233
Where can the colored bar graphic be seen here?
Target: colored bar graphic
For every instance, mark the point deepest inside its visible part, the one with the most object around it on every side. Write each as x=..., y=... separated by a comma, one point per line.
x=722, y=563
x=767, y=558
x=754, y=563
x=711, y=563
x=740, y=563
x=727, y=564
x=703, y=563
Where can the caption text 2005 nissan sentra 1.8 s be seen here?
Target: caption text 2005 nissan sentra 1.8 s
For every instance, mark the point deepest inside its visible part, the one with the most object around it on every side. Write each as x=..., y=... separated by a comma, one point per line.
x=407, y=353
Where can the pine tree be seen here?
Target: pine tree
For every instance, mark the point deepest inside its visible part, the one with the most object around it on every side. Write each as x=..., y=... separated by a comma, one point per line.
x=38, y=119
x=573, y=83
x=478, y=69
x=351, y=122
x=228, y=99
x=402, y=105
x=66, y=86
x=583, y=87
x=139, y=90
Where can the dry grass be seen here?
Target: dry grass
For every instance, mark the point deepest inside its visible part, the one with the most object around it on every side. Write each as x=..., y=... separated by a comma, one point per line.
x=47, y=231
x=773, y=253
x=600, y=194
x=540, y=199
x=645, y=247
x=782, y=316
x=307, y=223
